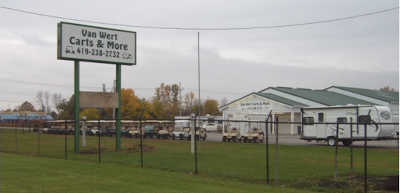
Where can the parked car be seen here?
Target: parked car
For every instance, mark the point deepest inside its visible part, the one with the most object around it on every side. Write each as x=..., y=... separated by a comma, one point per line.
x=211, y=127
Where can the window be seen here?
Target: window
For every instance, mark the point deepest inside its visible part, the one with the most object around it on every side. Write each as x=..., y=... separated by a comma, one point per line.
x=308, y=120
x=342, y=120
x=320, y=117
x=364, y=119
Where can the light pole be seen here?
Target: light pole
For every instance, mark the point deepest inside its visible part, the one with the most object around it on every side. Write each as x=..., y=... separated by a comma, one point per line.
x=198, y=61
x=193, y=131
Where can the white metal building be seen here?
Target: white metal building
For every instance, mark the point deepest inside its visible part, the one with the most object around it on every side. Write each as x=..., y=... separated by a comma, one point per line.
x=285, y=104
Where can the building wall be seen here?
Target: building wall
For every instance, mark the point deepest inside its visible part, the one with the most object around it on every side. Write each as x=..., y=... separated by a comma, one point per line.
x=256, y=108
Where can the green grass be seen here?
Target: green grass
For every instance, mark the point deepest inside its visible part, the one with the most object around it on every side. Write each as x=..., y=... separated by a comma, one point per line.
x=245, y=162
x=37, y=174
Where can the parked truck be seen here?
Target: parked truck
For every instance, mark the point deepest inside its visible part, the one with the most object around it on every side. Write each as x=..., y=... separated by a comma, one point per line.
x=322, y=124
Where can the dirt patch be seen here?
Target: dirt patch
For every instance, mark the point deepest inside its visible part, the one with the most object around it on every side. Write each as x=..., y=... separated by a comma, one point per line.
x=138, y=148
x=93, y=151
x=390, y=183
x=350, y=184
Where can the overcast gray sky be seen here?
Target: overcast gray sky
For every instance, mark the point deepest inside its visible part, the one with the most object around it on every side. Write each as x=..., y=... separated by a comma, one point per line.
x=358, y=52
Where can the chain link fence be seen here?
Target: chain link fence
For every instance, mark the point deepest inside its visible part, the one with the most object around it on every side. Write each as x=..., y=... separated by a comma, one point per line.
x=251, y=151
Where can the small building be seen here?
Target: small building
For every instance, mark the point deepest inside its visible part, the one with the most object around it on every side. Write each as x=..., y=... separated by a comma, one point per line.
x=285, y=104
x=23, y=116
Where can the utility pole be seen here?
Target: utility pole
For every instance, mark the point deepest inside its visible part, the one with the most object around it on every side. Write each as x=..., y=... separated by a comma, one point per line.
x=104, y=87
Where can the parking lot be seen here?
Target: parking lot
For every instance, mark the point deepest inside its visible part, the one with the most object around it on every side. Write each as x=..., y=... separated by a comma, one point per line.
x=285, y=139
x=295, y=140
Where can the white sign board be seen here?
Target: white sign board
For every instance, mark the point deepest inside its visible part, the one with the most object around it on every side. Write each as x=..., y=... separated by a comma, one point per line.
x=95, y=44
x=257, y=105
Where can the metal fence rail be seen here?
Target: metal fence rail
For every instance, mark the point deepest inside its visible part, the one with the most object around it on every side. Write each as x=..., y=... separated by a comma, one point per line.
x=252, y=151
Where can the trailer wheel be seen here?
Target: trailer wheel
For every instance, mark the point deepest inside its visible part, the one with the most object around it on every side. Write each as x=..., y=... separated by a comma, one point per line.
x=346, y=142
x=331, y=141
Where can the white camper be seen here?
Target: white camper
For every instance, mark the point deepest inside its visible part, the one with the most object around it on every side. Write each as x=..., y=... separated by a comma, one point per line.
x=320, y=123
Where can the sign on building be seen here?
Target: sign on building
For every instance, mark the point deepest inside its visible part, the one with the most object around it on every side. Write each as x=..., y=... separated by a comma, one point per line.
x=95, y=44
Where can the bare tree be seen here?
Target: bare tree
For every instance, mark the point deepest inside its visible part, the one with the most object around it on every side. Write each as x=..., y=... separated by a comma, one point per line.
x=189, y=100
x=224, y=101
x=47, y=102
x=56, y=99
x=39, y=100
x=43, y=99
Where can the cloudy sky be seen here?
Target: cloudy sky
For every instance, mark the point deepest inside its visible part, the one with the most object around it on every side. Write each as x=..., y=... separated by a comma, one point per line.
x=245, y=46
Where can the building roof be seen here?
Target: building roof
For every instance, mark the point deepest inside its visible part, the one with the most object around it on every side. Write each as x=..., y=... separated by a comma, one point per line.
x=271, y=97
x=32, y=116
x=281, y=99
x=388, y=96
x=324, y=97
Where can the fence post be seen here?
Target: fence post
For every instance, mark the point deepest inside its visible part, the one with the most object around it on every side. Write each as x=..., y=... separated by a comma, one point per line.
x=276, y=151
x=351, y=147
x=65, y=139
x=141, y=139
x=336, y=150
x=98, y=133
x=266, y=150
x=38, y=137
x=16, y=139
x=365, y=151
x=267, y=145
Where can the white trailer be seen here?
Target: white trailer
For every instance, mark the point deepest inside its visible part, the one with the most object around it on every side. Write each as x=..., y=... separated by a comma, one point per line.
x=321, y=124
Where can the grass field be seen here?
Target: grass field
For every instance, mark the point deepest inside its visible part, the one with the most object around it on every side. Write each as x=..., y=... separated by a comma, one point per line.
x=21, y=173
x=298, y=166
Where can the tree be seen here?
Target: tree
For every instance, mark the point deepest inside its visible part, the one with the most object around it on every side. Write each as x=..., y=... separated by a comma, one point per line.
x=387, y=88
x=211, y=107
x=67, y=108
x=39, y=99
x=129, y=104
x=158, y=109
x=91, y=114
x=195, y=108
x=42, y=98
x=166, y=98
x=26, y=106
x=188, y=102
x=147, y=107
x=224, y=101
x=56, y=99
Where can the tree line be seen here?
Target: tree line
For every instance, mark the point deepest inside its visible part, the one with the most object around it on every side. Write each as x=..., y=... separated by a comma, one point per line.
x=166, y=103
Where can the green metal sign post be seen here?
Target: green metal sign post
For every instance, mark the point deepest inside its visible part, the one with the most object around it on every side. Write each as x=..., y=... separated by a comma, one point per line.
x=77, y=107
x=95, y=44
x=118, y=111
